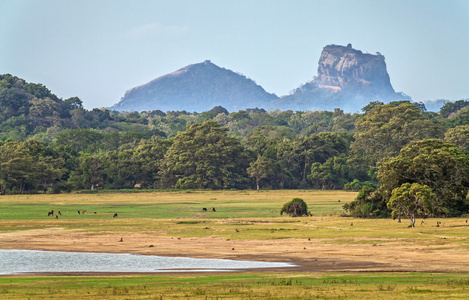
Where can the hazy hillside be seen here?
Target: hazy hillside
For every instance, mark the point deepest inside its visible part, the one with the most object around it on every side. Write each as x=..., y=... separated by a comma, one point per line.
x=198, y=87
x=346, y=78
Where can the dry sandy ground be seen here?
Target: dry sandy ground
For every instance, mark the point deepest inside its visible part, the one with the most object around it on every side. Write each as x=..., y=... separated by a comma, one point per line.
x=311, y=256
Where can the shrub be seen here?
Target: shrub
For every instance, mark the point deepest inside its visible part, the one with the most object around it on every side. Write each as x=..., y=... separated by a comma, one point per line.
x=295, y=208
x=368, y=204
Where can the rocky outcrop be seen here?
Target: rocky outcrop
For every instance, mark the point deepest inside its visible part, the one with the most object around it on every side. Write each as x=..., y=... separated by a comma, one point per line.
x=343, y=67
x=347, y=79
x=198, y=87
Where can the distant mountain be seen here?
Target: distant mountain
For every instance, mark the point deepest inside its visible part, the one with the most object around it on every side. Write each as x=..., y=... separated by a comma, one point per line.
x=347, y=78
x=198, y=87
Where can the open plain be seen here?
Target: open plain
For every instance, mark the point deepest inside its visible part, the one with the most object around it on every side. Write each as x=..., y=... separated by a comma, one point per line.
x=245, y=225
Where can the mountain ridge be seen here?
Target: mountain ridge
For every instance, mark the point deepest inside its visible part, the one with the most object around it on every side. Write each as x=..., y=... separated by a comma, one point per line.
x=346, y=78
x=196, y=87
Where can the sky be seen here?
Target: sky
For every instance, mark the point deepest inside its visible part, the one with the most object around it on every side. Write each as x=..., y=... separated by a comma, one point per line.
x=98, y=49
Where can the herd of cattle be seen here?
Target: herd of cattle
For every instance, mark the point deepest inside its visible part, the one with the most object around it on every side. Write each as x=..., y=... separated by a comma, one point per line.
x=211, y=208
x=51, y=213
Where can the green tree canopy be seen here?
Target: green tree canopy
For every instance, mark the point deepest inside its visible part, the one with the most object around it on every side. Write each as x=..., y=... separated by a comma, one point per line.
x=459, y=136
x=24, y=166
x=368, y=204
x=451, y=107
x=412, y=200
x=441, y=166
x=204, y=156
x=260, y=169
x=333, y=174
x=386, y=129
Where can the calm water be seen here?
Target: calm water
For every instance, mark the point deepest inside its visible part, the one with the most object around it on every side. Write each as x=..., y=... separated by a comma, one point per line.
x=32, y=261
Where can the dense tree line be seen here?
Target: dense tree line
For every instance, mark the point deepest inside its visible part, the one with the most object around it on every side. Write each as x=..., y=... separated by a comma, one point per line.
x=53, y=145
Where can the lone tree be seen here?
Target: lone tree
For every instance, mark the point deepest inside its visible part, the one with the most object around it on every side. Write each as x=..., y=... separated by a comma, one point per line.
x=261, y=168
x=412, y=200
x=295, y=208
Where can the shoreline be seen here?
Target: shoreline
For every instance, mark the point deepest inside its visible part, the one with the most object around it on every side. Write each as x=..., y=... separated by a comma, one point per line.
x=319, y=255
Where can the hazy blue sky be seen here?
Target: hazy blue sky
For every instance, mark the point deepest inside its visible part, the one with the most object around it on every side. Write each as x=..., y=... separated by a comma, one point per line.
x=98, y=49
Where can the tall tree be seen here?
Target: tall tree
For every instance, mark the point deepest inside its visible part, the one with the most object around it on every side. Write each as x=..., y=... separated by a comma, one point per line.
x=204, y=156
x=315, y=148
x=333, y=174
x=411, y=200
x=441, y=166
x=91, y=172
x=260, y=169
x=385, y=129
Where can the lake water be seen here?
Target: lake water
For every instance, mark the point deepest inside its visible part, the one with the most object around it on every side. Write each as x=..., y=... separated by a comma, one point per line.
x=32, y=261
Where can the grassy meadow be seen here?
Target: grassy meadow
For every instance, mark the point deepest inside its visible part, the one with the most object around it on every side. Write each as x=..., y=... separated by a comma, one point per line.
x=240, y=215
x=240, y=286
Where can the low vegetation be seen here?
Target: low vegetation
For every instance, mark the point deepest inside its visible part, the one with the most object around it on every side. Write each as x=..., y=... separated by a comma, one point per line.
x=240, y=216
x=295, y=208
x=240, y=286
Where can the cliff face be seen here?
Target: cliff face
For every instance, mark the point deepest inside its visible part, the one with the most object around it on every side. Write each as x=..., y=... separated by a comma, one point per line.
x=347, y=79
x=345, y=67
x=198, y=87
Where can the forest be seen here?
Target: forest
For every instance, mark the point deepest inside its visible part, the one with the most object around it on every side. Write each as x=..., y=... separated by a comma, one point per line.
x=391, y=153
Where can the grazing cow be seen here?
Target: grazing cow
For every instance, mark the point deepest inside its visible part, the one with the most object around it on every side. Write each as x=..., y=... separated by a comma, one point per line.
x=56, y=216
x=115, y=215
x=204, y=209
x=422, y=222
x=212, y=208
x=51, y=213
x=60, y=213
x=78, y=212
x=84, y=211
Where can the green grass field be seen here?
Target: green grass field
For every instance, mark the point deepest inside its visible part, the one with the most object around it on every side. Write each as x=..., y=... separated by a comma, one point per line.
x=255, y=215
x=241, y=286
x=169, y=205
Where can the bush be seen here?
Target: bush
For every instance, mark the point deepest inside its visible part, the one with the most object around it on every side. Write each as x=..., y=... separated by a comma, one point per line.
x=295, y=208
x=368, y=204
x=356, y=185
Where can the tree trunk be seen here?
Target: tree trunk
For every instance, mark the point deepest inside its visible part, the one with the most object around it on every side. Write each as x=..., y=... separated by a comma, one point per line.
x=304, y=170
x=257, y=183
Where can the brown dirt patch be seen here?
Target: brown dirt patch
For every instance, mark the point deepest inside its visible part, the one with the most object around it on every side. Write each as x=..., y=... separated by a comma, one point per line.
x=315, y=255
